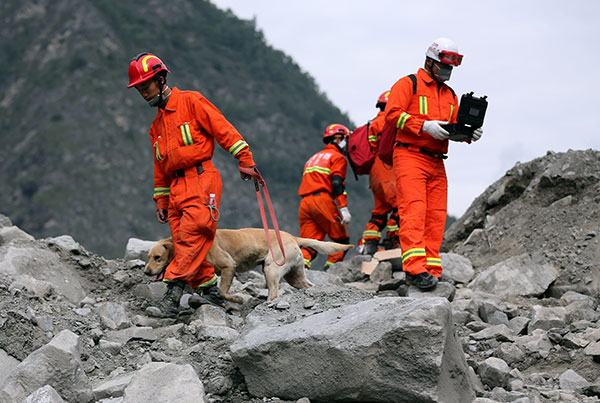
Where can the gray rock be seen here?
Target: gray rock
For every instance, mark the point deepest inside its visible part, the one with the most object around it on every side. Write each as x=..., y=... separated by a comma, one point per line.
x=392, y=338
x=498, y=318
x=131, y=333
x=510, y=353
x=457, y=268
x=165, y=383
x=443, y=290
x=56, y=364
x=518, y=324
x=42, y=265
x=320, y=277
x=537, y=342
x=573, y=340
x=571, y=296
x=7, y=365
x=113, y=315
x=45, y=394
x=497, y=332
x=114, y=387
x=593, y=350
x=153, y=291
x=138, y=249
x=517, y=276
x=13, y=233
x=546, y=318
x=494, y=372
x=39, y=288
x=216, y=332
x=66, y=243
x=382, y=272
x=571, y=380
x=348, y=270
x=209, y=315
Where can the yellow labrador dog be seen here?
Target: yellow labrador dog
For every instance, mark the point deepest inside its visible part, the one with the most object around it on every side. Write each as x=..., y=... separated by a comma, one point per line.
x=241, y=250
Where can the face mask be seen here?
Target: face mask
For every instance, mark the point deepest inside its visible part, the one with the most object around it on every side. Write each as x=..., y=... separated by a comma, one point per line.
x=342, y=144
x=443, y=73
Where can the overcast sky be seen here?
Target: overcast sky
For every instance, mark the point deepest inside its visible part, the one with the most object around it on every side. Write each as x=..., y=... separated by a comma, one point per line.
x=537, y=61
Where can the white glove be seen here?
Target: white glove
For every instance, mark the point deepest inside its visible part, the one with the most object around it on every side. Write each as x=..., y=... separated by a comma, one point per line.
x=435, y=130
x=346, y=217
x=477, y=133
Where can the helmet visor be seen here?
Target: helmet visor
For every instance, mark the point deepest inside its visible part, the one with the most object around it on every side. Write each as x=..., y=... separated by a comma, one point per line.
x=452, y=58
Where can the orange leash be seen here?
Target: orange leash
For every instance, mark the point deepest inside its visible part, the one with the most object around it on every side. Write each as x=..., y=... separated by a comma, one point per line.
x=259, y=183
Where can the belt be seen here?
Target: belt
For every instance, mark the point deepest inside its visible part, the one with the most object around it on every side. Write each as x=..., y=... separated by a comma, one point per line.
x=180, y=173
x=433, y=154
x=316, y=193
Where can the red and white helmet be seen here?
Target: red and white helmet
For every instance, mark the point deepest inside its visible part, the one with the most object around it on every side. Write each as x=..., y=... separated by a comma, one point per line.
x=383, y=98
x=335, y=129
x=445, y=51
x=143, y=67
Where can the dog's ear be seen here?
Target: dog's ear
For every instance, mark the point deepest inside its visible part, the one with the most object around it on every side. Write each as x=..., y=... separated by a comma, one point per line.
x=170, y=249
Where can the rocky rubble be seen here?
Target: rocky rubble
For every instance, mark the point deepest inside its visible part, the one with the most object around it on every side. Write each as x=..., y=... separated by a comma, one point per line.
x=517, y=318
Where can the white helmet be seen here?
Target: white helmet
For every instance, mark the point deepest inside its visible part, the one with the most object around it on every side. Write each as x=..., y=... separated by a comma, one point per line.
x=445, y=51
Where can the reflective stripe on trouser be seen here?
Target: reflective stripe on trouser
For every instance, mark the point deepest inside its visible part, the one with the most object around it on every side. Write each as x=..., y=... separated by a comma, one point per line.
x=382, y=183
x=422, y=196
x=317, y=215
x=192, y=227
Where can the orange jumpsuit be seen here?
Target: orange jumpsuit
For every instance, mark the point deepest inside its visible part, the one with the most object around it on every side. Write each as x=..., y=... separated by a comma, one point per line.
x=183, y=137
x=318, y=213
x=383, y=185
x=421, y=184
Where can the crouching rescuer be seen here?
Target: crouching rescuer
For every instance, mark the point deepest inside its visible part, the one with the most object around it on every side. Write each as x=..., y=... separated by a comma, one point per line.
x=321, y=189
x=187, y=187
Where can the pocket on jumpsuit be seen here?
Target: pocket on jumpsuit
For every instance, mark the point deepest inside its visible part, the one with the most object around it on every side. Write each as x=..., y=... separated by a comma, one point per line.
x=200, y=221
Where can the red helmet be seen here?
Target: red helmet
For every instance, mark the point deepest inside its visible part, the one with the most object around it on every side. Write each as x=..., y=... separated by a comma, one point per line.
x=383, y=98
x=335, y=129
x=143, y=67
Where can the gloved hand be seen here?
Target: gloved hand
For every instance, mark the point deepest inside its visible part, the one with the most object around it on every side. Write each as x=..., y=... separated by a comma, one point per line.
x=477, y=133
x=346, y=216
x=248, y=173
x=162, y=215
x=435, y=130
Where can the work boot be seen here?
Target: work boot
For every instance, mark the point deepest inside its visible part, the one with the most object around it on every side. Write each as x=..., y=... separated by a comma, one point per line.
x=370, y=248
x=168, y=306
x=209, y=295
x=424, y=281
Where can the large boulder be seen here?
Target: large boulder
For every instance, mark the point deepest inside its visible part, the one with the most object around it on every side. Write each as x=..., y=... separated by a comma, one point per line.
x=41, y=264
x=57, y=364
x=520, y=275
x=378, y=350
x=166, y=383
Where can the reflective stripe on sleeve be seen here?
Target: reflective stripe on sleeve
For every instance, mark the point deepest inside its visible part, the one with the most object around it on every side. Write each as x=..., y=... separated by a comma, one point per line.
x=402, y=120
x=237, y=147
x=161, y=191
x=371, y=234
x=451, y=112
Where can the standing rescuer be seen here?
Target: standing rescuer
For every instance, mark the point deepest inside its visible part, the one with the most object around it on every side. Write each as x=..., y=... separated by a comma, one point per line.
x=383, y=185
x=187, y=187
x=322, y=187
x=418, y=110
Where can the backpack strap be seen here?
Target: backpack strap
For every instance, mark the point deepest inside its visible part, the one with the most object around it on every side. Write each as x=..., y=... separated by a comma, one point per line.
x=413, y=78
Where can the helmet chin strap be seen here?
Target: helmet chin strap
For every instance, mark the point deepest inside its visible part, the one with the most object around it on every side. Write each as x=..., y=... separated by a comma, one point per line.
x=158, y=99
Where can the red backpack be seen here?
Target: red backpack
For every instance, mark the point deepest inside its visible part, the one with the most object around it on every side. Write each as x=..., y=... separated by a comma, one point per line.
x=359, y=151
x=388, y=134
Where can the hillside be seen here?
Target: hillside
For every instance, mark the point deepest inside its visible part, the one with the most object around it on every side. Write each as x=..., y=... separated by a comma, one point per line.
x=80, y=160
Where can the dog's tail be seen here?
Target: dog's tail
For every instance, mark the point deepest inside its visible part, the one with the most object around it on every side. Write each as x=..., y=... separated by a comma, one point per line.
x=325, y=248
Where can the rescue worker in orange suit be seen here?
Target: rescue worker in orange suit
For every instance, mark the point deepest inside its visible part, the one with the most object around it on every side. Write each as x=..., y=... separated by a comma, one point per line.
x=187, y=187
x=419, y=153
x=324, y=208
x=382, y=183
